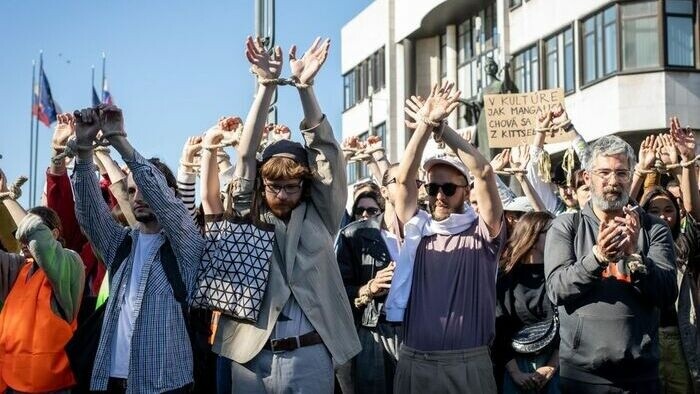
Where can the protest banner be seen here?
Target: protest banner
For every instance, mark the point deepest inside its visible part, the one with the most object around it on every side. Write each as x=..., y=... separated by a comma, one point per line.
x=511, y=119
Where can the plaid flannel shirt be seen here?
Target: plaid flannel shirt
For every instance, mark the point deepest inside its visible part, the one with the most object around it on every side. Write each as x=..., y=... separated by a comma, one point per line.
x=161, y=356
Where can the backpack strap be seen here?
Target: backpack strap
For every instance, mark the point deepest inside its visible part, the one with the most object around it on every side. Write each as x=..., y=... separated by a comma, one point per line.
x=172, y=272
x=122, y=253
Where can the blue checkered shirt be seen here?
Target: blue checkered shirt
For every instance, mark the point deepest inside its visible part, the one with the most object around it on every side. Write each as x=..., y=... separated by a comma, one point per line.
x=161, y=356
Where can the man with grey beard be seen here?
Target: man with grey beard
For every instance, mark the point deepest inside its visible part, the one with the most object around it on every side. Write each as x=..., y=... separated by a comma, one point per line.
x=609, y=269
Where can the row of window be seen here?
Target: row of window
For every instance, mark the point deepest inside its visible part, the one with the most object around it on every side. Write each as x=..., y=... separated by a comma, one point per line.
x=356, y=83
x=621, y=37
x=357, y=171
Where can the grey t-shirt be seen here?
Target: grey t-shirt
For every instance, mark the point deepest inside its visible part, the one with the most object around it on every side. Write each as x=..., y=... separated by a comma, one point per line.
x=453, y=297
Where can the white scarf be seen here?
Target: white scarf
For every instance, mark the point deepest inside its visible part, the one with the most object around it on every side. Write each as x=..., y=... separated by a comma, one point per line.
x=421, y=225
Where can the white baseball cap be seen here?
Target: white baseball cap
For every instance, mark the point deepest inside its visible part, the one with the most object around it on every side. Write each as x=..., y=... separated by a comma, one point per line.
x=446, y=159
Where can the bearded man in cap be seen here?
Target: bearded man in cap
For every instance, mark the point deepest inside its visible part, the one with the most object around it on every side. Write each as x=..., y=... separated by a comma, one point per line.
x=444, y=285
x=305, y=324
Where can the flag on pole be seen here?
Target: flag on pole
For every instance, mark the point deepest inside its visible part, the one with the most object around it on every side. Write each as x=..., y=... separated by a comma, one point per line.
x=45, y=108
x=106, y=95
x=95, y=97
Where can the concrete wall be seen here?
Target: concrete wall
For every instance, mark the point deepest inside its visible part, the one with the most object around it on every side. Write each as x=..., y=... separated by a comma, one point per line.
x=364, y=34
x=410, y=14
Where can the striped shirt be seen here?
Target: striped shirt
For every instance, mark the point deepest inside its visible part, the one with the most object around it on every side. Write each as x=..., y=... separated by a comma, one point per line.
x=161, y=356
x=186, y=182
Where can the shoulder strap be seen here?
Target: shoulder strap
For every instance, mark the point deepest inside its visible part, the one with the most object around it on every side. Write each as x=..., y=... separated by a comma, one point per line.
x=121, y=254
x=172, y=272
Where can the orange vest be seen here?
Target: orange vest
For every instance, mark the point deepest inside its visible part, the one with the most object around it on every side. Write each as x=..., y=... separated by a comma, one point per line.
x=32, y=337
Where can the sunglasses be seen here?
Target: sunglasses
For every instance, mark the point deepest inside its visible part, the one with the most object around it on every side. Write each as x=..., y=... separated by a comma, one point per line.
x=448, y=189
x=419, y=183
x=371, y=211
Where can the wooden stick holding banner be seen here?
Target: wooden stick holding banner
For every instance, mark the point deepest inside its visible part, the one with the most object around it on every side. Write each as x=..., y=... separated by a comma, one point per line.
x=511, y=119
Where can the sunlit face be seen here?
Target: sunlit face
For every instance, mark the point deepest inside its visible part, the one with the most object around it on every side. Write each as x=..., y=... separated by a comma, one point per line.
x=283, y=195
x=567, y=195
x=366, y=208
x=142, y=211
x=583, y=194
x=610, y=180
x=441, y=205
x=661, y=207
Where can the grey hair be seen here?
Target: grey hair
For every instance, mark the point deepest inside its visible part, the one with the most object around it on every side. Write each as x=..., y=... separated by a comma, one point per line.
x=609, y=145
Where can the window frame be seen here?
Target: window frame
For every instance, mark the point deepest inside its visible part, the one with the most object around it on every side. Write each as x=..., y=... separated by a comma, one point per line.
x=598, y=15
x=663, y=23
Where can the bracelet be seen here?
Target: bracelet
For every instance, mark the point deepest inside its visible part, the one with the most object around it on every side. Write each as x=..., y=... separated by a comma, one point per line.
x=429, y=122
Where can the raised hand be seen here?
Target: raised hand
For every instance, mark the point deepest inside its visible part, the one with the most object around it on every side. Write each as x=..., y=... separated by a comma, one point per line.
x=647, y=155
x=441, y=102
x=112, y=120
x=278, y=132
x=263, y=64
x=87, y=125
x=683, y=139
x=192, y=147
x=373, y=143
x=305, y=69
x=222, y=132
x=520, y=156
x=64, y=130
x=667, y=151
x=500, y=161
x=413, y=106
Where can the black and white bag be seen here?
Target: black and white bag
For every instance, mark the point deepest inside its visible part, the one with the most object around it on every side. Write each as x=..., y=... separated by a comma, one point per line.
x=233, y=275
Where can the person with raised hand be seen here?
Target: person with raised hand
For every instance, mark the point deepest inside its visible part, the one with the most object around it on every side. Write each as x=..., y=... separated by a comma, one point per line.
x=44, y=288
x=444, y=285
x=144, y=345
x=305, y=323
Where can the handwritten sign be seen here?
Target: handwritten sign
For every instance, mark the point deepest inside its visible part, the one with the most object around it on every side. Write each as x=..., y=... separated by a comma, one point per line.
x=511, y=119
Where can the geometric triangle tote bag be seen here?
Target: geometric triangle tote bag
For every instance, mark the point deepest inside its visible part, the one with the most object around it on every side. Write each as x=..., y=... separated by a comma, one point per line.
x=233, y=275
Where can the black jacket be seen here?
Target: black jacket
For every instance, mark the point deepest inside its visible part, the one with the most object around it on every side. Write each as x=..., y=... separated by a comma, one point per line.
x=608, y=325
x=361, y=252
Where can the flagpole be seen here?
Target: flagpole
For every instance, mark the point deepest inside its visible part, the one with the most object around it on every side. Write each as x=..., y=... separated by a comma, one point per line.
x=31, y=129
x=36, y=134
x=92, y=83
x=104, y=61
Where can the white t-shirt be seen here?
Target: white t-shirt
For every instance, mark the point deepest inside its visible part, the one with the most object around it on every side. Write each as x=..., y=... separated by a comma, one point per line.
x=392, y=244
x=121, y=346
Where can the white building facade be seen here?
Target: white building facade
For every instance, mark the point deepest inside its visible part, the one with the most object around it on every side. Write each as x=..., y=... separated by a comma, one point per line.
x=626, y=66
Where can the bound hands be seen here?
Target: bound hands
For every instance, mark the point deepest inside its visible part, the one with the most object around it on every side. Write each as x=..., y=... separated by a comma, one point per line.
x=618, y=238
x=304, y=70
x=381, y=282
x=683, y=139
x=90, y=121
x=65, y=128
x=222, y=133
x=438, y=106
x=266, y=66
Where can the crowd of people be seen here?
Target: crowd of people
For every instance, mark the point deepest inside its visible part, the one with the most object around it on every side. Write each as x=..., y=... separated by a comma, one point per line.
x=432, y=277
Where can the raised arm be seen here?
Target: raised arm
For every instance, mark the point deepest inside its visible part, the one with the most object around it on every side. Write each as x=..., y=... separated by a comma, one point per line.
x=93, y=214
x=266, y=67
x=13, y=208
x=644, y=164
x=329, y=186
x=520, y=163
x=210, y=190
x=171, y=213
x=63, y=267
x=187, y=173
x=684, y=140
x=117, y=185
x=426, y=116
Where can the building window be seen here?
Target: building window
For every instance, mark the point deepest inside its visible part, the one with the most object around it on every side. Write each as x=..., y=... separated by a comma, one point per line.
x=377, y=63
x=490, y=27
x=551, y=63
x=569, y=63
x=380, y=131
x=599, y=34
x=515, y=3
x=464, y=41
x=680, y=35
x=526, y=70
x=349, y=89
x=640, y=35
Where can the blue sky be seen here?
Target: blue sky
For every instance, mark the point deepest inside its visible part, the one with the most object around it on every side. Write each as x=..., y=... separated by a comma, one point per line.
x=173, y=67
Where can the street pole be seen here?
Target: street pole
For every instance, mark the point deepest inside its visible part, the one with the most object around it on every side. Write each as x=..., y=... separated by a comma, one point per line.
x=265, y=29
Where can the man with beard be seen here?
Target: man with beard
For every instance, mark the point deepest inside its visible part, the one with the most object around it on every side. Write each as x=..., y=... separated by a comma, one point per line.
x=144, y=345
x=444, y=286
x=305, y=324
x=609, y=268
